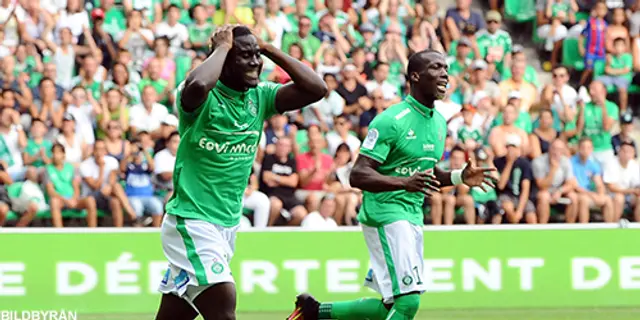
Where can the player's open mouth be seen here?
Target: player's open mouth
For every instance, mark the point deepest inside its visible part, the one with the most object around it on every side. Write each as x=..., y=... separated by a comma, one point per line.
x=442, y=86
x=252, y=74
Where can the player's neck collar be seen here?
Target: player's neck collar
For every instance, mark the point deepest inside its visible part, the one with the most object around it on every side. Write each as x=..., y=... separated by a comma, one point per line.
x=424, y=110
x=228, y=91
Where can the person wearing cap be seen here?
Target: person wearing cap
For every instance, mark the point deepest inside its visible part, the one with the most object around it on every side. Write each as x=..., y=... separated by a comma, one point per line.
x=596, y=120
x=459, y=64
x=498, y=134
x=493, y=41
x=515, y=184
x=555, y=182
x=479, y=81
x=370, y=38
x=528, y=92
x=626, y=128
x=303, y=37
x=102, y=38
x=590, y=188
x=622, y=177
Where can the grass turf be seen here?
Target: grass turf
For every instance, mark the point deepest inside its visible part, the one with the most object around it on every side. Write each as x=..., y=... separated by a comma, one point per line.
x=508, y=314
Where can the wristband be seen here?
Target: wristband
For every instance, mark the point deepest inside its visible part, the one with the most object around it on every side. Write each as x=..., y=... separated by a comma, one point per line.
x=456, y=177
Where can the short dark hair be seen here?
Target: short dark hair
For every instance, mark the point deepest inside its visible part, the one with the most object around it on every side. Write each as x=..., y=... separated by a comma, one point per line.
x=173, y=134
x=45, y=79
x=380, y=64
x=58, y=145
x=418, y=59
x=329, y=75
x=34, y=120
x=619, y=39
x=456, y=149
x=584, y=139
x=173, y=6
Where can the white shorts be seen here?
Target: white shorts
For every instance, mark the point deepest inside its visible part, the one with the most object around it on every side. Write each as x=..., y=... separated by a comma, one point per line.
x=396, y=254
x=199, y=253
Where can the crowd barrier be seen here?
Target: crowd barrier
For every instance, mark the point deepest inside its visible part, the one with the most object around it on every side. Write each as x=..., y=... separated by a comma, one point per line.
x=118, y=270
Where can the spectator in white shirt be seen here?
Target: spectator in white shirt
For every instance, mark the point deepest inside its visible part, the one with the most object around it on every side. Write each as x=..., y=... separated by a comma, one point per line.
x=342, y=134
x=148, y=115
x=389, y=91
x=277, y=22
x=323, y=218
x=12, y=140
x=165, y=161
x=84, y=109
x=323, y=111
x=172, y=29
x=622, y=177
x=565, y=97
x=100, y=179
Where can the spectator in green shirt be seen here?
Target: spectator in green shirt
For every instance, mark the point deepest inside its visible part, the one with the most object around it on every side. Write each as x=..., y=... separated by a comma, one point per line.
x=596, y=119
x=524, y=118
x=310, y=44
x=494, y=41
x=458, y=65
x=38, y=150
x=153, y=79
x=618, y=71
x=200, y=31
x=88, y=77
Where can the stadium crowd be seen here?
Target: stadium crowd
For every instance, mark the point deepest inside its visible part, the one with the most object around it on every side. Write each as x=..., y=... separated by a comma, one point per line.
x=88, y=127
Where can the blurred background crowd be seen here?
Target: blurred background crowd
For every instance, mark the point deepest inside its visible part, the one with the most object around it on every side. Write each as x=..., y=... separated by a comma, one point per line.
x=542, y=90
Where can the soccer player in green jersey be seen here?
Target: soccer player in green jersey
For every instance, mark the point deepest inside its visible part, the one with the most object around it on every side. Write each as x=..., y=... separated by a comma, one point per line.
x=222, y=107
x=396, y=169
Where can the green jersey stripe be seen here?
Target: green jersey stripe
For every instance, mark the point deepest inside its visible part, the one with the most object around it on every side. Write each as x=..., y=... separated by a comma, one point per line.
x=388, y=258
x=192, y=254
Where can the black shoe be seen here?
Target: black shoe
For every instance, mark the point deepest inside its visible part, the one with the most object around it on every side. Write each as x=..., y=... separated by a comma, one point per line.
x=306, y=308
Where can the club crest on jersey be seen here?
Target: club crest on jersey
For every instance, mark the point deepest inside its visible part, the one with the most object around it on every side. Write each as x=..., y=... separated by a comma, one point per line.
x=411, y=135
x=251, y=107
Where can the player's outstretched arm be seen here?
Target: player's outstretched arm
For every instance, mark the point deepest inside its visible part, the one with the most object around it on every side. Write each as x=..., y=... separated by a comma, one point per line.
x=204, y=77
x=365, y=176
x=307, y=86
x=471, y=176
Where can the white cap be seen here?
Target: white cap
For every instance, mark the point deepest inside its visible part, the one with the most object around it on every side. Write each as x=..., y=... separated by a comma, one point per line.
x=515, y=95
x=513, y=140
x=350, y=67
x=170, y=120
x=477, y=97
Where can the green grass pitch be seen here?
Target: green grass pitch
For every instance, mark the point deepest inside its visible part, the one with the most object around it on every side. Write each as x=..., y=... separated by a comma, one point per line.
x=509, y=314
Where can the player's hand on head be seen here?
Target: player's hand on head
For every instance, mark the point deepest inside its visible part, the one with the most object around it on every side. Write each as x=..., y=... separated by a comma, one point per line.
x=424, y=182
x=473, y=176
x=261, y=43
x=223, y=36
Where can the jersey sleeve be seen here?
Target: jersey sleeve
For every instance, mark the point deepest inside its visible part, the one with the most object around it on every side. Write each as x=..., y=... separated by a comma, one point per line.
x=189, y=117
x=267, y=94
x=378, y=142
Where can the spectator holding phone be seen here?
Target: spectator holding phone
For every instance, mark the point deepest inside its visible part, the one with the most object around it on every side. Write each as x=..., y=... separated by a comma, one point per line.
x=138, y=168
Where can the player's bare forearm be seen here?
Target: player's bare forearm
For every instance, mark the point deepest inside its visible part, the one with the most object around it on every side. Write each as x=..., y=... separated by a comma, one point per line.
x=364, y=176
x=203, y=79
x=307, y=86
x=444, y=177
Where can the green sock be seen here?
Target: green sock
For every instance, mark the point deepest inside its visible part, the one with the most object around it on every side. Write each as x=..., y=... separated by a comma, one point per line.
x=372, y=309
x=404, y=308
